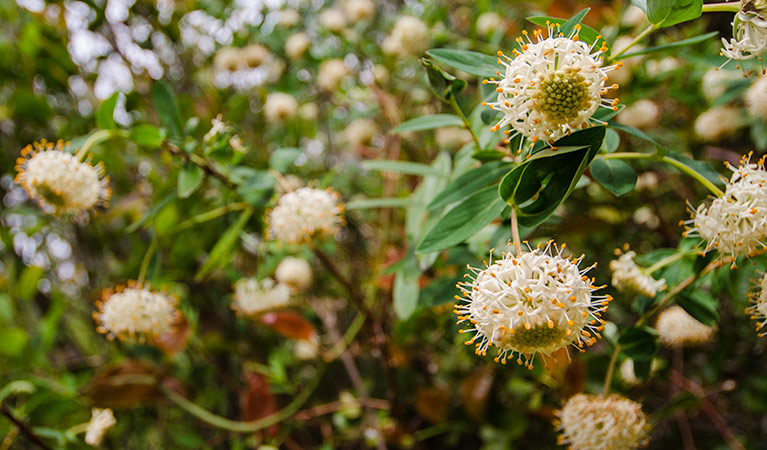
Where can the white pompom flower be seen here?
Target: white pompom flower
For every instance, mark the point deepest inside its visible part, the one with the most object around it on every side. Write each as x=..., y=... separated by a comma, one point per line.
x=294, y=272
x=735, y=223
x=758, y=309
x=756, y=99
x=330, y=74
x=629, y=277
x=101, y=421
x=410, y=36
x=297, y=45
x=60, y=183
x=280, y=107
x=718, y=123
x=551, y=86
x=677, y=328
x=596, y=422
x=304, y=213
x=537, y=302
x=253, y=297
x=749, y=37
x=134, y=311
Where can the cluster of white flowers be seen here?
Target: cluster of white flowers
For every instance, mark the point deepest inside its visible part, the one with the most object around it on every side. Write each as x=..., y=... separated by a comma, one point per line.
x=246, y=67
x=596, y=422
x=295, y=273
x=758, y=310
x=677, y=328
x=551, y=86
x=735, y=223
x=537, y=302
x=749, y=37
x=134, y=311
x=101, y=421
x=643, y=113
x=253, y=297
x=629, y=277
x=410, y=36
x=301, y=214
x=718, y=123
x=280, y=107
x=59, y=182
x=756, y=99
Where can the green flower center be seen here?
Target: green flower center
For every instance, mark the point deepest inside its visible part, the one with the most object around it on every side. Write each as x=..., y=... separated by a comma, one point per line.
x=537, y=339
x=561, y=95
x=50, y=196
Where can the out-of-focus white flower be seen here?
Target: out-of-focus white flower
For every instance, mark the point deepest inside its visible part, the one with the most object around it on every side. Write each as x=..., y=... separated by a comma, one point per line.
x=623, y=74
x=646, y=181
x=716, y=82
x=381, y=74
x=280, y=107
x=60, y=183
x=333, y=19
x=645, y=216
x=306, y=350
x=101, y=421
x=735, y=223
x=758, y=309
x=297, y=45
x=357, y=10
x=626, y=372
x=288, y=17
x=633, y=16
x=756, y=99
x=656, y=67
x=718, y=122
x=253, y=297
x=677, y=328
x=551, y=87
x=538, y=302
x=629, y=277
x=309, y=111
x=641, y=114
x=236, y=143
x=229, y=59
x=410, y=36
x=217, y=126
x=488, y=22
x=294, y=272
x=596, y=422
x=301, y=214
x=331, y=72
x=361, y=131
x=254, y=55
x=749, y=37
x=134, y=311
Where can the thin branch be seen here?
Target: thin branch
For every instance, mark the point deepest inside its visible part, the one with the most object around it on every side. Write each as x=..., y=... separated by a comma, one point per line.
x=23, y=427
x=200, y=162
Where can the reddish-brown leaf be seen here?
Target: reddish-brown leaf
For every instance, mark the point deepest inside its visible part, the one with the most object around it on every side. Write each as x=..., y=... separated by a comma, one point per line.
x=290, y=325
x=130, y=384
x=432, y=402
x=175, y=339
x=257, y=400
x=474, y=392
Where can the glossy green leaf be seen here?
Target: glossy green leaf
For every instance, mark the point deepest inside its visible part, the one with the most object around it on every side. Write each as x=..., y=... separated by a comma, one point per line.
x=615, y=175
x=442, y=83
x=147, y=136
x=701, y=167
x=105, y=113
x=488, y=155
x=189, y=179
x=255, y=186
x=220, y=253
x=410, y=168
x=665, y=13
x=673, y=45
x=14, y=340
x=463, y=221
x=587, y=34
x=405, y=291
x=700, y=305
x=475, y=63
x=282, y=158
x=639, y=343
x=570, y=24
x=468, y=183
x=429, y=123
x=167, y=109
x=638, y=133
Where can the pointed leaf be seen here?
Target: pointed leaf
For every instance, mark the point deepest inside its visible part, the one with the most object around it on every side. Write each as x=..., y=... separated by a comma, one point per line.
x=219, y=255
x=615, y=175
x=428, y=123
x=105, y=113
x=167, y=108
x=474, y=63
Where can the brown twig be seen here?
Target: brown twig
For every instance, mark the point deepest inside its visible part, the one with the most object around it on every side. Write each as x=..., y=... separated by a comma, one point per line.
x=327, y=408
x=24, y=428
x=688, y=441
x=200, y=162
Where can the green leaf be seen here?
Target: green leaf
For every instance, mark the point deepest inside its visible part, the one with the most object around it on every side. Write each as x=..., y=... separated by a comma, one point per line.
x=612, y=141
x=587, y=34
x=26, y=285
x=255, y=186
x=638, y=133
x=474, y=63
x=639, y=343
x=167, y=108
x=219, y=255
x=468, y=183
x=665, y=13
x=410, y=168
x=540, y=184
x=282, y=158
x=488, y=155
x=568, y=26
x=615, y=175
x=442, y=83
x=105, y=113
x=429, y=123
x=14, y=341
x=148, y=136
x=189, y=179
x=150, y=214
x=699, y=305
x=383, y=202
x=673, y=45
x=405, y=291
x=759, y=134
x=701, y=167
x=463, y=221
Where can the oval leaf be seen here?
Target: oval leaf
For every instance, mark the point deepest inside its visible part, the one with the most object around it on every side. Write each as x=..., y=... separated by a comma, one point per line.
x=428, y=123
x=700, y=306
x=105, y=113
x=189, y=179
x=615, y=175
x=474, y=63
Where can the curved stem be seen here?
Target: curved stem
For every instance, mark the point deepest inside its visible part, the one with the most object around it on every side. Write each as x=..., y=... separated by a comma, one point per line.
x=666, y=261
x=611, y=370
x=515, y=231
x=93, y=139
x=722, y=7
x=466, y=122
x=245, y=427
x=636, y=40
x=208, y=215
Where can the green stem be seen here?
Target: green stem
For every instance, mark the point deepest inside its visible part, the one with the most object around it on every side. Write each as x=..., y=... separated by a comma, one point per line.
x=722, y=7
x=515, y=231
x=209, y=215
x=636, y=40
x=245, y=427
x=466, y=122
x=145, y=260
x=95, y=138
x=611, y=370
x=666, y=261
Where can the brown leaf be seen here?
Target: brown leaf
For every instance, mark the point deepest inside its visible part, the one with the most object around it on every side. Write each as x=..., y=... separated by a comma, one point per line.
x=130, y=384
x=474, y=391
x=290, y=325
x=257, y=400
x=432, y=402
x=174, y=340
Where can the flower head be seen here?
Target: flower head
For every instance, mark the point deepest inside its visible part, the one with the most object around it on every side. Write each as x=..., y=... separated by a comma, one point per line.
x=303, y=213
x=536, y=302
x=756, y=99
x=596, y=422
x=331, y=72
x=252, y=297
x=758, y=310
x=410, y=36
x=294, y=272
x=126, y=312
x=361, y=132
x=297, y=45
x=677, y=328
x=749, y=37
x=357, y=10
x=718, y=123
x=629, y=277
x=101, y=421
x=280, y=107
x=488, y=22
x=551, y=86
x=59, y=182
x=735, y=223
x=642, y=114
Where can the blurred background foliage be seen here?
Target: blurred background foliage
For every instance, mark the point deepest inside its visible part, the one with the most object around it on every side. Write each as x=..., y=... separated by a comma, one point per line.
x=61, y=60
